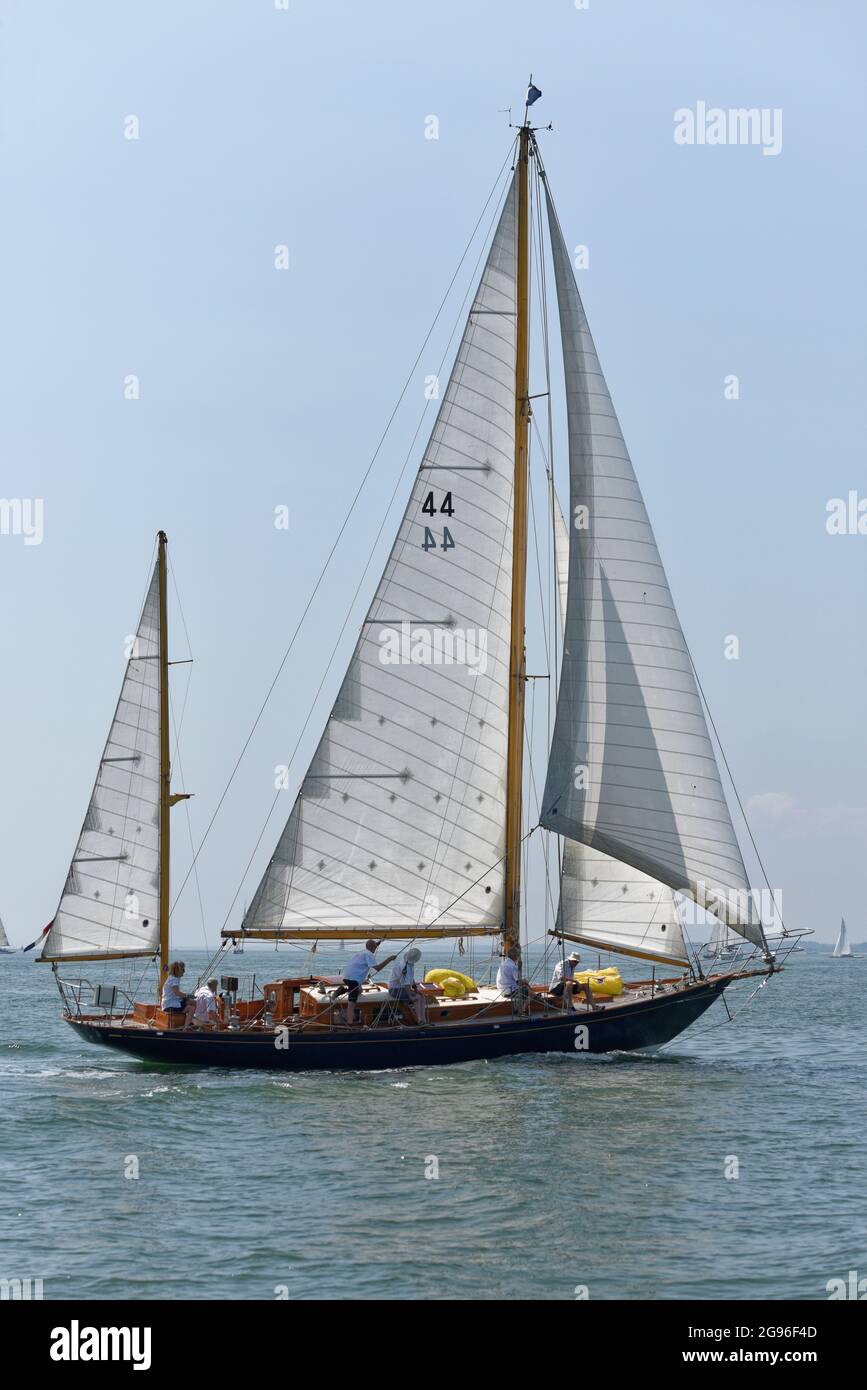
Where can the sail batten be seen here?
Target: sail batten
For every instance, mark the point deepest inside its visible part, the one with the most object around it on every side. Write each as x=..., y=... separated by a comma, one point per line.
x=400, y=819
x=110, y=903
x=632, y=771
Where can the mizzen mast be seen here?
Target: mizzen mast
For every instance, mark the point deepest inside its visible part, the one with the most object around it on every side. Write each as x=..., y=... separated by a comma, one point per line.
x=165, y=768
x=517, y=656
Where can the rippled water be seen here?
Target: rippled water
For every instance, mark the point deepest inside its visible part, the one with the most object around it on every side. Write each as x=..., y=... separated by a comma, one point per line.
x=553, y=1172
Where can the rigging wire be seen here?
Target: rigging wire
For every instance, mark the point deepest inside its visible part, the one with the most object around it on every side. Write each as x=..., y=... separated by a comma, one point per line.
x=177, y=725
x=686, y=644
x=346, y=521
x=458, y=318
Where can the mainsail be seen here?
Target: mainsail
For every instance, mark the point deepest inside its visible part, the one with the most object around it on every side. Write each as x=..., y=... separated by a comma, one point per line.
x=607, y=903
x=843, y=947
x=632, y=771
x=4, y=939
x=110, y=902
x=400, y=820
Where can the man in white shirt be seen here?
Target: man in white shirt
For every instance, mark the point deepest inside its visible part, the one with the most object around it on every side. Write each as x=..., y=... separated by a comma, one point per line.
x=509, y=982
x=207, y=1014
x=402, y=986
x=562, y=981
x=356, y=973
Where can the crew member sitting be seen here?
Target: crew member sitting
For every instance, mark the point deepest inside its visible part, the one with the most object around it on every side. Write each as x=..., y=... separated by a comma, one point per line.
x=402, y=987
x=173, y=999
x=356, y=973
x=509, y=982
x=563, y=981
x=207, y=1011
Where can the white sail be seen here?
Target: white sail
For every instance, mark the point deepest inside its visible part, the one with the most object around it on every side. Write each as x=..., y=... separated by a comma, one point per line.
x=110, y=904
x=4, y=939
x=718, y=939
x=400, y=821
x=618, y=908
x=609, y=904
x=632, y=770
x=843, y=947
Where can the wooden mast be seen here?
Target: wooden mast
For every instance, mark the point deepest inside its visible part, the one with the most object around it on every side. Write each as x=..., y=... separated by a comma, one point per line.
x=517, y=661
x=165, y=770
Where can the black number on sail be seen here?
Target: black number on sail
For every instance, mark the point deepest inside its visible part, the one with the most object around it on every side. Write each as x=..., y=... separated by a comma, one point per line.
x=429, y=505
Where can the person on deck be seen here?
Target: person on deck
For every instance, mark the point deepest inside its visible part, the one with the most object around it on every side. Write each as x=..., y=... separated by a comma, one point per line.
x=402, y=987
x=509, y=982
x=563, y=980
x=207, y=1006
x=173, y=998
x=356, y=973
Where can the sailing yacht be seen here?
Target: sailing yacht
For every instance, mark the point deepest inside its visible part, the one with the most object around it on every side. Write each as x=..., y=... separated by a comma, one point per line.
x=5, y=948
x=723, y=944
x=411, y=820
x=842, y=949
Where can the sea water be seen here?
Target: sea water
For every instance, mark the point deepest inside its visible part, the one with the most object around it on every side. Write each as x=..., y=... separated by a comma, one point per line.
x=731, y=1164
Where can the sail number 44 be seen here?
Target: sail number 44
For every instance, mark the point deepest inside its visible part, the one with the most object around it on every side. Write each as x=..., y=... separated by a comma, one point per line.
x=429, y=507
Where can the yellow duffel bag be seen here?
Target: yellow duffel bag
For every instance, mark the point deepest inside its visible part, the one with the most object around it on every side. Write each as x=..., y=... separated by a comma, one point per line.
x=606, y=981
x=454, y=985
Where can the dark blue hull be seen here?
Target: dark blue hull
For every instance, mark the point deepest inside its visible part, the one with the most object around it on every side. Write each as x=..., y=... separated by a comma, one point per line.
x=619, y=1028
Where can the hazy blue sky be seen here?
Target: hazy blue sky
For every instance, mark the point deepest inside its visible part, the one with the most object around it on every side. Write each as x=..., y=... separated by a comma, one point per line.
x=261, y=387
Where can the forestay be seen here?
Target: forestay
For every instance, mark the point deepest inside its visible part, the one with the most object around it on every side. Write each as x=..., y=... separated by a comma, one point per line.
x=110, y=904
x=632, y=771
x=400, y=821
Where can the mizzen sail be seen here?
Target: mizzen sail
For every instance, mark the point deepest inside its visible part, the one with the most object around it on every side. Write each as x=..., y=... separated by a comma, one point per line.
x=632, y=771
x=110, y=904
x=400, y=821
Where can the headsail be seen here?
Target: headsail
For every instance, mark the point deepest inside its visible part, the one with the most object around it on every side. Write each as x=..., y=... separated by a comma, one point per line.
x=110, y=902
x=4, y=939
x=609, y=904
x=400, y=821
x=632, y=771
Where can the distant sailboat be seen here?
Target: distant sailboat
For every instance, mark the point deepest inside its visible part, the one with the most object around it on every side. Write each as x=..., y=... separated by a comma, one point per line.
x=843, y=949
x=722, y=945
x=5, y=948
